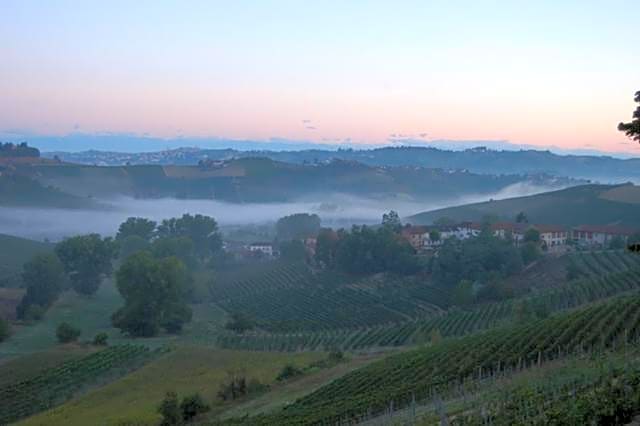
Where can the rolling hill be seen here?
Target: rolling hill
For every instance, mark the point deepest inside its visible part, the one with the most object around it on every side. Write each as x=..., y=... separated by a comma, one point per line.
x=580, y=205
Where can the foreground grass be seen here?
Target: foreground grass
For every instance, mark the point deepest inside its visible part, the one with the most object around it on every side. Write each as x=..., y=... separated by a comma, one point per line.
x=187, y=369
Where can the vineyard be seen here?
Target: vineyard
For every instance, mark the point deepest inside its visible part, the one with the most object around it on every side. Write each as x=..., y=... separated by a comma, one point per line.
x=55, y=385
x=420, y=373
x=291, y=298
x=453, y=323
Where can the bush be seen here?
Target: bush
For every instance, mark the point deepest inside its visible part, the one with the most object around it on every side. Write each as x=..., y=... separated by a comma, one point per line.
x=34, y=313
x=170, y=410
x=191, y=406
x=289, y=371
x=100, y=339
x=67, y=333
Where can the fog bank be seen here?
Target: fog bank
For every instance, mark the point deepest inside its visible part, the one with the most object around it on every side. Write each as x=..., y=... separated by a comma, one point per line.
x=334, y=209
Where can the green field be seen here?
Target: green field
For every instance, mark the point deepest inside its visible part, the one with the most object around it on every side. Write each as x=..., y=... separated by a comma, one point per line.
x=186, y=369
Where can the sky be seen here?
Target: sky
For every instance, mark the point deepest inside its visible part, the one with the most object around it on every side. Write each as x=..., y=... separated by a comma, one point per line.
x=543, y=73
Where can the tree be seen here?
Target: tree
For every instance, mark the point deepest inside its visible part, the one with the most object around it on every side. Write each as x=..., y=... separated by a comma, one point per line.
x=530, y=251
x=522, y=218
x=137, y=226
x=169, y=409
x=326, y=246
x=67, y=333
x=531, y=235
x=5, y=330
x=239, y=323
x=391, y=221
x=434, y=235
x=293, y=251
x=297, y=226
x=155, y=292
x=182, y=248
x=202, y=230
x=131, y=244
x=86, y=260
x=632, y=128
x=44, y=279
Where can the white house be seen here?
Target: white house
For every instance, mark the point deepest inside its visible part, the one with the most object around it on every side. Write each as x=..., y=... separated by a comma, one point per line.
x=262, y=247
x=594, y=235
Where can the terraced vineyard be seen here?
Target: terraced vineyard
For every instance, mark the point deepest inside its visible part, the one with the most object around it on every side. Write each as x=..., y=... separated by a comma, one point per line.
x=55, y=385
x=604, y=283
x=420, y=373
x=291, y=298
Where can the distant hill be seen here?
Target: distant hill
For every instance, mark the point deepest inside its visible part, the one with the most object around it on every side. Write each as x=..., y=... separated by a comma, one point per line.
x=585, y=204
x=259, y=179
x=14, y=252
x=477, y=160
x=22, y=191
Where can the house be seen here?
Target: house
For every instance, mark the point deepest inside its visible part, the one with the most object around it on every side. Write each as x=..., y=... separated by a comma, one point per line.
x=415, y=235
x=262, y=247
x=552, y=235
x=600, y=235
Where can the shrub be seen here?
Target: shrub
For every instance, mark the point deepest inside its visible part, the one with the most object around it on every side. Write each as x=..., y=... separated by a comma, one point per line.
x=100, y=339
x=67, y=333
x=191, y=406
x=289, y=371
x=170, y=410
x=34, y=313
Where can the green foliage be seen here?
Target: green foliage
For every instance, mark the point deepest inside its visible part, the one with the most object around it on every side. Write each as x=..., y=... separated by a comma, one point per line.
x=365, y=251
x=33, y=313
x=475, y=259
x=234, y=387
x=137, y=226
x=326, y=247
x=53, y=386
x=434, y=235
x=391, y=221
x=86, y=260
x=66, y=333
x=289, y=371
x=531, y=235
x=297, y=226
x=18, y=150
x=100, y=339
x=522, y=218
x=530, y=252
x=632, y=128
x=155, y=294
x=293, y=251
x=201, y=230
x=169, y=409
x=131, y=244
x=44, y=279
x=192, y=406
x=182, y=248
x=5, y=329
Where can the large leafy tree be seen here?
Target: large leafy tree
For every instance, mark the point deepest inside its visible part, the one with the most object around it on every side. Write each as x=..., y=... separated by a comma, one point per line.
x=44, y=279
x=297, y=226
x=87, y=260
x=202, y=230
x=632, y=128
x=155, y=292
x=136, y=226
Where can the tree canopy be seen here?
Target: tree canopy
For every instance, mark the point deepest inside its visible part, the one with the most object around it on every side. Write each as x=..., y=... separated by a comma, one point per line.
x=137, y=226
x=202, y=230
x=297, y=226
x=632, y=128
x=155, y=292
x=44, y=279
x=86, y=260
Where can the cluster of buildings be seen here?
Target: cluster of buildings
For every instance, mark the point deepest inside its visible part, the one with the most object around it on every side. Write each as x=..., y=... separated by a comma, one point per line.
x=552, y=237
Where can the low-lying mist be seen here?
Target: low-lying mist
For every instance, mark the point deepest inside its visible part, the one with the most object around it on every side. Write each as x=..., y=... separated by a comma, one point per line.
x=336, y=210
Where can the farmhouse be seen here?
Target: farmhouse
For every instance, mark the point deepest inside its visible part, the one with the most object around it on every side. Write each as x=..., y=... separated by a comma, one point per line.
x=553, y=236
x=600, y=236
x=262, y=247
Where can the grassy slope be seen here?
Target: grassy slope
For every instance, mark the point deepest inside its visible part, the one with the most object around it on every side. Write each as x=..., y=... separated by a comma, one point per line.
x=570, y=207
x=187, y=369
x=14, y=252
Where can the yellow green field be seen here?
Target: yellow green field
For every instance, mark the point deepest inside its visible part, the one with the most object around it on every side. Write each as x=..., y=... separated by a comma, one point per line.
x=187, y=369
